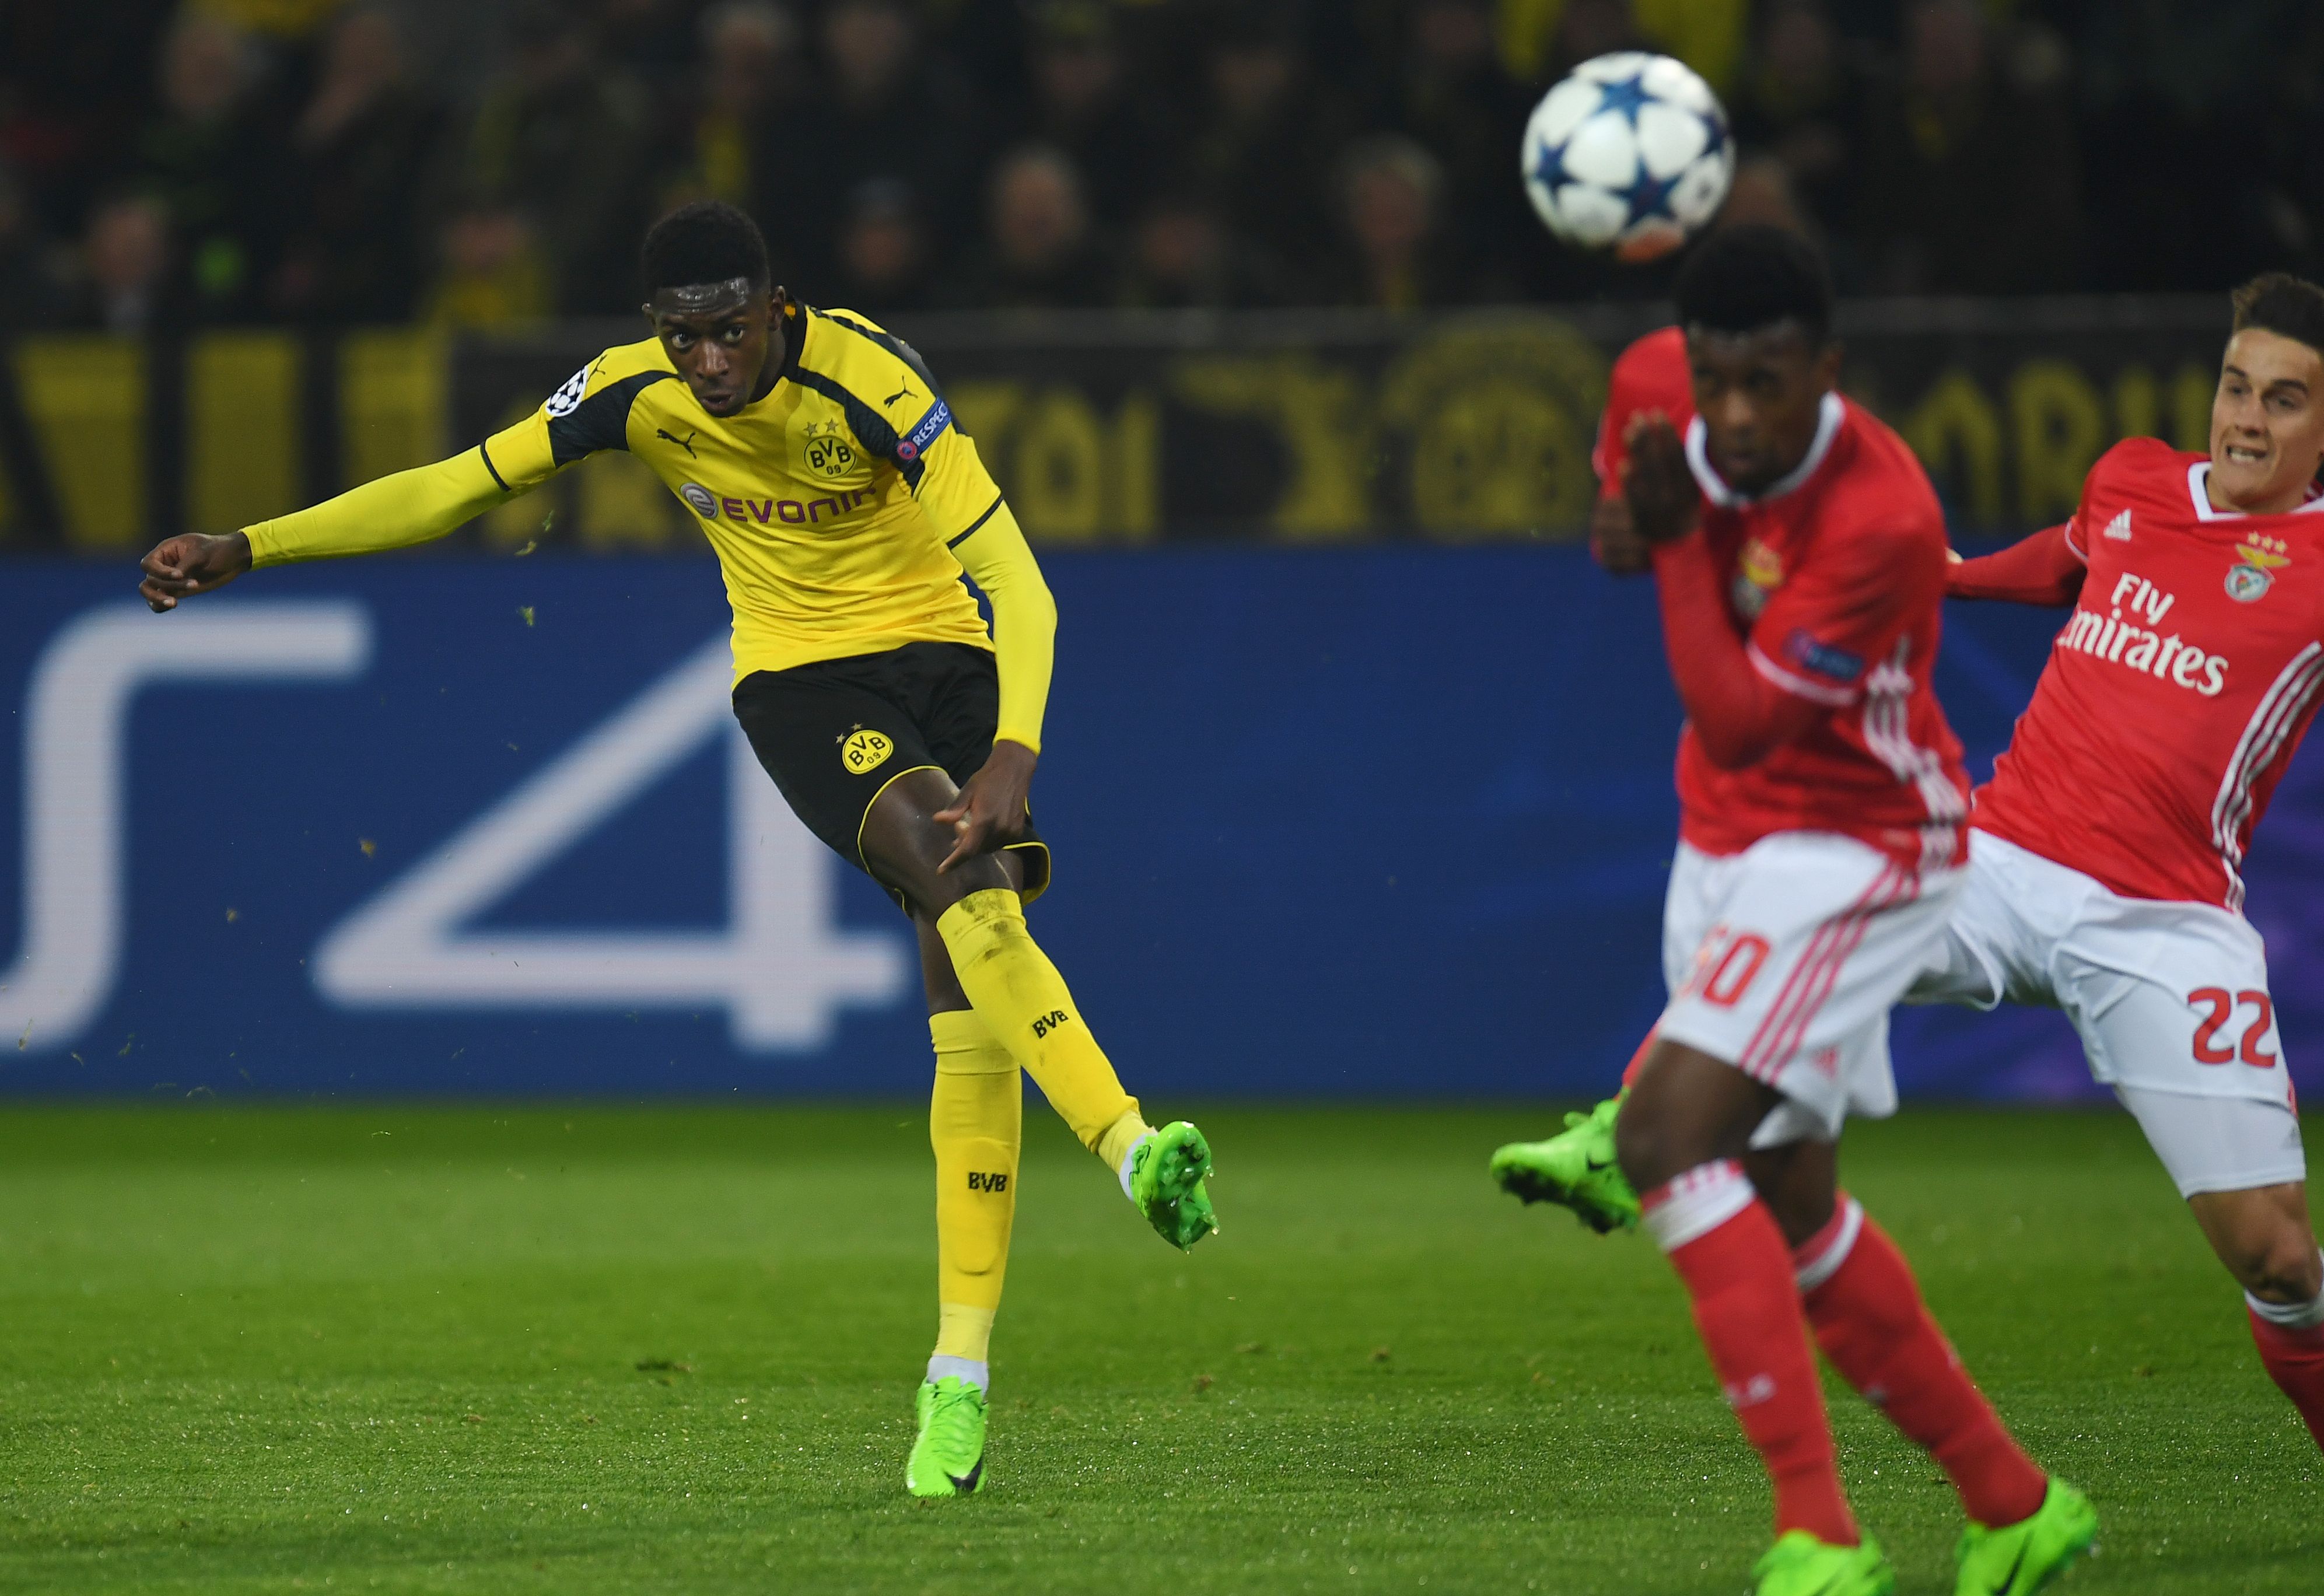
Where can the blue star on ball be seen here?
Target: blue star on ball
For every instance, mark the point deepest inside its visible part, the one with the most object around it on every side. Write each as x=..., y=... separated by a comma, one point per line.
x=1625, y=96
x=1549, y=169
x=1649, y=196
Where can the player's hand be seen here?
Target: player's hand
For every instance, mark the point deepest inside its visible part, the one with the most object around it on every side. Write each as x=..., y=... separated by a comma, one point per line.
x=1614, y=541
x=1664, y=503
x=194, y=562
x=991, y=810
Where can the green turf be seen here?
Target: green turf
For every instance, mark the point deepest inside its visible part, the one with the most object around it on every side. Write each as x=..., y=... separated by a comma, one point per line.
x=575, y=1351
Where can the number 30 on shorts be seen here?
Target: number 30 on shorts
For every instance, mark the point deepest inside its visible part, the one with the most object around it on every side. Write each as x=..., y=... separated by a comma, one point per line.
x=2222, y=1006
x=1726, y=964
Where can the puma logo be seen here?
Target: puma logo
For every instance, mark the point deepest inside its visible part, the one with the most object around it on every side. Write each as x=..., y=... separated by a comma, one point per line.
x=686, y=443
x=899, y=393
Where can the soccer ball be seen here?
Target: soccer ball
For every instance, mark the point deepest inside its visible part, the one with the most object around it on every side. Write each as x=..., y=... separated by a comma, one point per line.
x=1630, y=153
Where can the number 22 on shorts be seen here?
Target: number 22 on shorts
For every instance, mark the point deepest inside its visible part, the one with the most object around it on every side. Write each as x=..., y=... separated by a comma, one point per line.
x=1726, y=964
x=2223, y=1004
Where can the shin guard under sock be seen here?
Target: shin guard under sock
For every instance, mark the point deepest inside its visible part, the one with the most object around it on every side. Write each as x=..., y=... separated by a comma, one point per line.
x=1738, y=1272
x=1870, y=1321
x=1024, y=1005
x=975, y=1123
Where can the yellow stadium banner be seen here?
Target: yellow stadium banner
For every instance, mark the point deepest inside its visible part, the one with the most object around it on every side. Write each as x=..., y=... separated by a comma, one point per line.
x=1105, y=429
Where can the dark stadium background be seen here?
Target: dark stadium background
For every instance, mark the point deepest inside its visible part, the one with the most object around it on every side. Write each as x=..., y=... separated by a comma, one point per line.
x=1357, y=767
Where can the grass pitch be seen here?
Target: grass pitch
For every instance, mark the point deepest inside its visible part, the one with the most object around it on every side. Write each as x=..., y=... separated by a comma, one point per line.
x=584, y=1350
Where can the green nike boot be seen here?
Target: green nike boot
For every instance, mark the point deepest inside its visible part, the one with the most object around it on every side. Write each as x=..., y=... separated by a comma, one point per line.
x=1574, y=1169
x=1799, y=1564
x=948, y=1458
x=2023, y=1557
x=1169, y=1174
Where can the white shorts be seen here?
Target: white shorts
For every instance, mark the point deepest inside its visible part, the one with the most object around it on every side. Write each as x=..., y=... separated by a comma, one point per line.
x=1784, y=960
x=2170, y=1000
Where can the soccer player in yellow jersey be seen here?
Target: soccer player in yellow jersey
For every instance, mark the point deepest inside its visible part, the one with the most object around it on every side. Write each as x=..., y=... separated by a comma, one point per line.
x=845, y=501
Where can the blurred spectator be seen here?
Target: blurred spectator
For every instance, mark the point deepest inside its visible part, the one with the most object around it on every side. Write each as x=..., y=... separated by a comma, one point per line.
x=215, y=166
x=888, y=110
x=1183, y=257
x=1453, y=96
x=1764, y=195
x=1803, y=101
x=2199, y=133
x=1541, y=40
x=360, y=149
x=559, y=140
x=1969, y=182
x=31, y=291
x=492, y=272
x=278, y=19
x=1577, y=31
x=882, y=252
x=750, y=70
x=1080, y=104
x=1390, y=193
x=656, y=41
x=1041, y=252
x=1269, y=136
x=127, y=281
x=73, y=99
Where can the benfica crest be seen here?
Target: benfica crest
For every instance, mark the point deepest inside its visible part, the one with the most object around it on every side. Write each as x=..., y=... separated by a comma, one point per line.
x=2262, y=557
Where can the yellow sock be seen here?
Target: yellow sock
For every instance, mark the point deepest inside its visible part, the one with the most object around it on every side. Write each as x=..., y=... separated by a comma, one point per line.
x=1023, y=1002
x=975, y=1123
x=963, y=1332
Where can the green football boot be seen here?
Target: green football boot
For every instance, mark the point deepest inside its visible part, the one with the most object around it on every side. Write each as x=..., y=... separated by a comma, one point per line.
x=1574, y=1169
x=1169, y=1174
x=948, y=1458
x=2023, y=1557
x=1799, y=1564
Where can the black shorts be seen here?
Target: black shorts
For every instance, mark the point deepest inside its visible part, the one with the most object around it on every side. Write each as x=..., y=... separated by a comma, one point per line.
x=834, y=736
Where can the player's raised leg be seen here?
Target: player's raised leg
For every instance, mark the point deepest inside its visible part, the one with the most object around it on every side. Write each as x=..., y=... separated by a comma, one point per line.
x=1576, y=1167
x=909, y=841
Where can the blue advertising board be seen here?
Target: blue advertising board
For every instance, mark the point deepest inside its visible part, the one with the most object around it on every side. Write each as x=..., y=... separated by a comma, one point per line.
x=1374, y=822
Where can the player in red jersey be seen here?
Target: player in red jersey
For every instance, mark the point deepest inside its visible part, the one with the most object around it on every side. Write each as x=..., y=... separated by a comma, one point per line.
x=2105, y=875
x=1799, y=558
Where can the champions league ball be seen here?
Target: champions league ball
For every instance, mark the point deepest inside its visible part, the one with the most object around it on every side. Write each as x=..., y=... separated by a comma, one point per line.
x=1631, y=153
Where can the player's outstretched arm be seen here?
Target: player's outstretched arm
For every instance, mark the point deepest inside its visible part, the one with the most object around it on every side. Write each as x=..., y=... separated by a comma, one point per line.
x=2043, y=569
x=394, y=511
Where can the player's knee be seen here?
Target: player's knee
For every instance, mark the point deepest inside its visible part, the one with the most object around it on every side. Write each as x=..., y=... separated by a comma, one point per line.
x=2282, y=1266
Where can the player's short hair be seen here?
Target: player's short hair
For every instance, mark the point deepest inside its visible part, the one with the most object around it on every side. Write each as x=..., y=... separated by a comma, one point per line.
x=1749, y=276
x=708, y=241
x=2281, y=303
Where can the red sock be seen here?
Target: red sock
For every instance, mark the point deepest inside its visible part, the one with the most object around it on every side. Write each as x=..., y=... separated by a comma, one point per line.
x=1870, y=1322
x=2295, y=1361
x=1726, y=1248
x=1630, y=1070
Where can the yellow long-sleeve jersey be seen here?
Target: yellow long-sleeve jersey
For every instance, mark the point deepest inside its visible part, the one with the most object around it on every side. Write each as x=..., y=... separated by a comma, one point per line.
x=844, y=506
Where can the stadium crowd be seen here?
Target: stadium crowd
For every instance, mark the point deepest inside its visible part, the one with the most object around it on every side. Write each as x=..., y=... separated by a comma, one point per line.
x=185, y=162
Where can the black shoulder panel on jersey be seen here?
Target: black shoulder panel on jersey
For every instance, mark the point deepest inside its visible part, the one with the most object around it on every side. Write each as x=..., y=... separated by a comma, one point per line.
x=900, y=350
x=600, y=421
x=870, y=426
